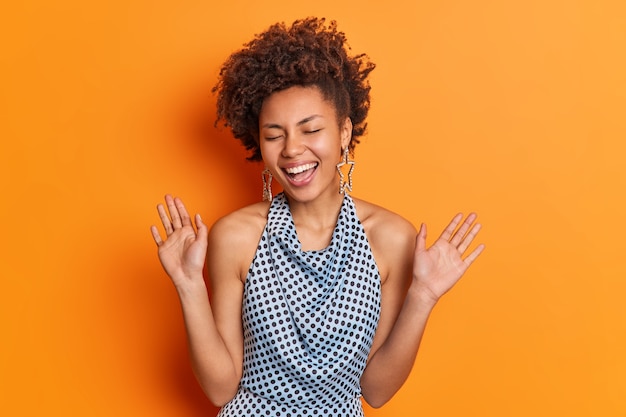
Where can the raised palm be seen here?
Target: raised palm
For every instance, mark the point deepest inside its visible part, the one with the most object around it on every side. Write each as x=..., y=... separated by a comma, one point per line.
x=183, y=251
x=437, y=268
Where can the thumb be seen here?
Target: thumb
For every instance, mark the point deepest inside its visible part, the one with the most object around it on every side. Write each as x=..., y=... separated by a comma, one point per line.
x=203, y=231
x=420, y=240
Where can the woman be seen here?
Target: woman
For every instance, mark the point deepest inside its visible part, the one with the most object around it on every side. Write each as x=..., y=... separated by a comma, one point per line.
x=317, y=298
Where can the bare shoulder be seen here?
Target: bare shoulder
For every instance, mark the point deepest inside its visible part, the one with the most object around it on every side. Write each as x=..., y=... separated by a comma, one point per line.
x=233, y=238
x=391, y=236
x=242, y=223
x=382, y=224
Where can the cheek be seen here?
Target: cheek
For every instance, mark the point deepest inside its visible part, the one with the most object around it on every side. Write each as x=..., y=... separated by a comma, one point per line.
x=266, y=151
x=271, y=153
x=329, y=147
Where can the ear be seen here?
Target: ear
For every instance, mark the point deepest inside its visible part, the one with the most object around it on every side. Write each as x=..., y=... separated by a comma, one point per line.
x=346, y=132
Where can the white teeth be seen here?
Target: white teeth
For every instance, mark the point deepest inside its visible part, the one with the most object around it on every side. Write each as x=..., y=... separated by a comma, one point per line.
x=299, y=169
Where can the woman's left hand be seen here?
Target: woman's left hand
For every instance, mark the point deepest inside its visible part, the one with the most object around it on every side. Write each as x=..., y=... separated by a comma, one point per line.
x=436, y=269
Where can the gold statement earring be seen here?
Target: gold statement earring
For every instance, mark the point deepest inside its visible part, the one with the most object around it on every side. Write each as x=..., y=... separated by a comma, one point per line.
x=343, y=185
x=266, y=176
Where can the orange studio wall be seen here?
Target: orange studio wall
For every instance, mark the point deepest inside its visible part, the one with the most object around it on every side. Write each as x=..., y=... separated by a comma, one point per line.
x=512, y=109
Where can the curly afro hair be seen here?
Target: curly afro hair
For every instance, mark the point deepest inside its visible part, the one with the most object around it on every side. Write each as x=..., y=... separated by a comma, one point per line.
x=309, y=53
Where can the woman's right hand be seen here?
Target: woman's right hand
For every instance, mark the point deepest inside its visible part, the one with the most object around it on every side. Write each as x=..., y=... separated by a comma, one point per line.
x=183, y=252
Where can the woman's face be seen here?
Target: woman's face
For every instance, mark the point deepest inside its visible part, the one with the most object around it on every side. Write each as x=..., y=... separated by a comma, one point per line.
x=301, y=141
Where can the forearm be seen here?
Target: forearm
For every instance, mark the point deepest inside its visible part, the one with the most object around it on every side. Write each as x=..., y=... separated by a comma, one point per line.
x=211, y=361
x=391, y=364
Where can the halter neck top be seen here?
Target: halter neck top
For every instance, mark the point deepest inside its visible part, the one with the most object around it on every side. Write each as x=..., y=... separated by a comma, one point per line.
x=309, y=319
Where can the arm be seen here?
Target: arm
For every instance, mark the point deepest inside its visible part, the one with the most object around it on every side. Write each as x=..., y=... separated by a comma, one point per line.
x=214, y=350
x=432, y=273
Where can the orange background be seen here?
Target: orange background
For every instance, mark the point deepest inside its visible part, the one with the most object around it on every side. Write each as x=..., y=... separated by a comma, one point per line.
x=514, y=109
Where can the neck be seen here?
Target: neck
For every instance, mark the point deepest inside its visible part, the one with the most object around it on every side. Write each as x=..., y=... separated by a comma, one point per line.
x=318, y=214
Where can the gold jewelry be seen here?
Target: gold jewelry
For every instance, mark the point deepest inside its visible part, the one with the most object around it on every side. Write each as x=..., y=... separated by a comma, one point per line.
x=266, y=176
x=343, y=185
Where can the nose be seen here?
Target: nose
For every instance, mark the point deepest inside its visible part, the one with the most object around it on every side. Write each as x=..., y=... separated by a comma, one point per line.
x=293, y=146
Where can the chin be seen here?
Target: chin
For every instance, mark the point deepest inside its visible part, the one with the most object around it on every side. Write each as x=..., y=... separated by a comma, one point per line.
x=309, y=194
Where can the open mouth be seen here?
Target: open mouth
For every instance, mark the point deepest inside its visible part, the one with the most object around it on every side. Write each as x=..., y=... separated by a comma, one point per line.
x=301, y=172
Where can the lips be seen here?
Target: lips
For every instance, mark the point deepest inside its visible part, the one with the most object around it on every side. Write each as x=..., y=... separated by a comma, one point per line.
x=300, y=173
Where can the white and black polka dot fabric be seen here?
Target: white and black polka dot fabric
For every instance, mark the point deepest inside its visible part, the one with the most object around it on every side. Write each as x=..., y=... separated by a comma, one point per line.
x=309, y=320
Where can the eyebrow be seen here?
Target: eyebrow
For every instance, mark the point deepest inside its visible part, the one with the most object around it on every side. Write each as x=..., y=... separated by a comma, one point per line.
x=300, y=123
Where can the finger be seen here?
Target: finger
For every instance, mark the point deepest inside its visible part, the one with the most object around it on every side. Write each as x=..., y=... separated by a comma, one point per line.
x=447, y=233
x=171, y=207
x=420, y=240
x=460, y=234
x=472, y=256
x=203, y=231
x=182, y=211
x=156, y=235
x=165, y=220
x=469, y=238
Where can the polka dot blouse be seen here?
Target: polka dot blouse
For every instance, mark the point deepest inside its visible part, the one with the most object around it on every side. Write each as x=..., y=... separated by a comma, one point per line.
x=309, y=320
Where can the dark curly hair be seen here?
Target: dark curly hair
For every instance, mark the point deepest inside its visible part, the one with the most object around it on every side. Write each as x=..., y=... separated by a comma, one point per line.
x=309, y=53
